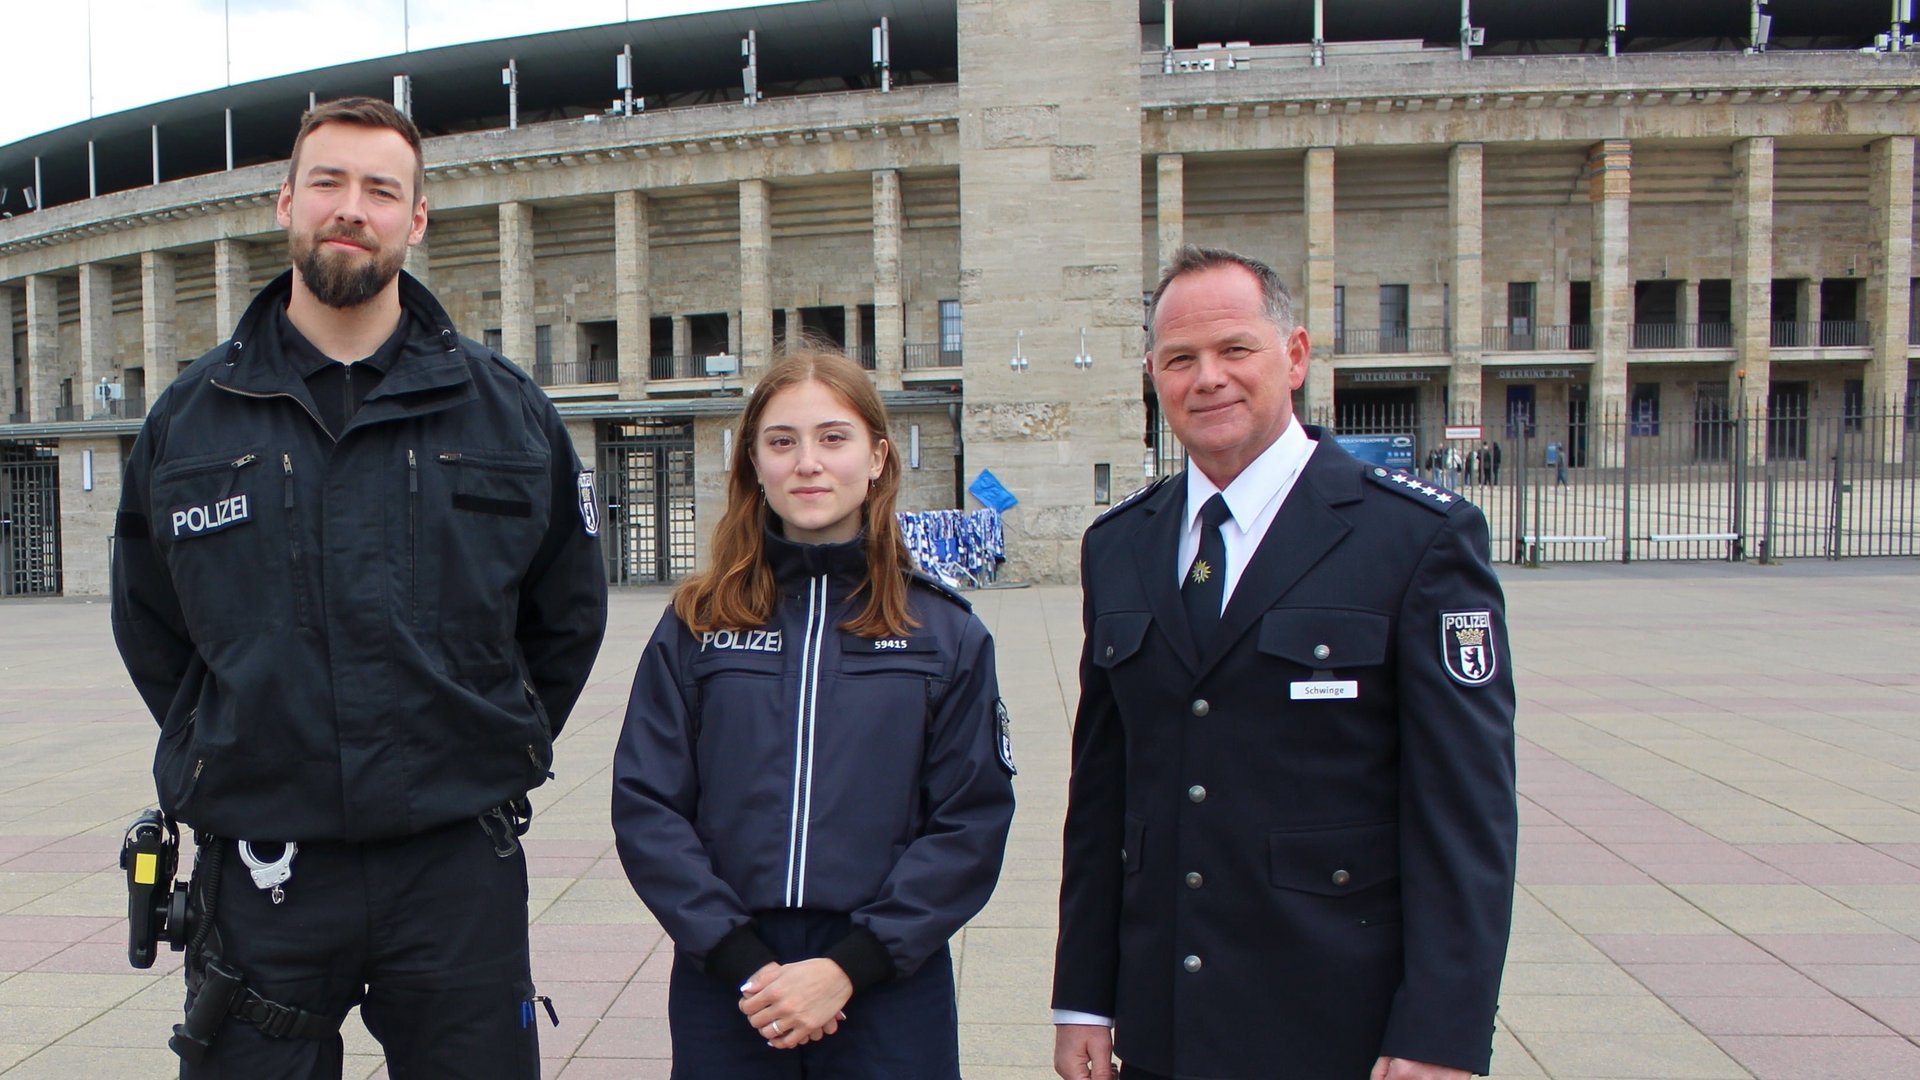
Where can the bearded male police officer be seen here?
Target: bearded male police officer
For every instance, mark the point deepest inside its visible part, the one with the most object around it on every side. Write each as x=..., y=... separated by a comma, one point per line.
x=356, y=580
x=1291, y=823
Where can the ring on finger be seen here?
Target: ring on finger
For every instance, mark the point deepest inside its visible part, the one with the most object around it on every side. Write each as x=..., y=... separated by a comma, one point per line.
x=775, y=1025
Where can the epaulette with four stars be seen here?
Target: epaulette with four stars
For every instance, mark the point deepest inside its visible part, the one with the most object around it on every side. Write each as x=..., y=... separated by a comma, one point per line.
x=1430, y=495
x=1131, y=500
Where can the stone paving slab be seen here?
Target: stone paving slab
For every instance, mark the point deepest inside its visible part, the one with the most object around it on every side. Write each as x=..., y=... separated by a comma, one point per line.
x=1719, y=863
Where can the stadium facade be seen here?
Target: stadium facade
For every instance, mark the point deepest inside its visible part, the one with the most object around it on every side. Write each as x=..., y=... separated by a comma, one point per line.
x=1498, y=213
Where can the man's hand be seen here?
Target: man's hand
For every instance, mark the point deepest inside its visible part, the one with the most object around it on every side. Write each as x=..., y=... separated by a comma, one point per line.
x=794, y=1004
x=1083, y=1051
x=1401, y=1069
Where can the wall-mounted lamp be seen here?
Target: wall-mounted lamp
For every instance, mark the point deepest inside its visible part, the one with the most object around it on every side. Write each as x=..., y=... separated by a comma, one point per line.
x=726, y=450
x=913, y=446
x=1082, y=360
x=1018, y=361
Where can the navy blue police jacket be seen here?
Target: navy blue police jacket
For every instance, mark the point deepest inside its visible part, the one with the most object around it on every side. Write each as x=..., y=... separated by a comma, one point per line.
x=358, y=639
x=1293, y=852
x=796, y=765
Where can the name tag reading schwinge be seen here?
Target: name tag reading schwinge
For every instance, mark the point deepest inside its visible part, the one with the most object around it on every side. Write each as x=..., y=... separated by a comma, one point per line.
x=1325, y=689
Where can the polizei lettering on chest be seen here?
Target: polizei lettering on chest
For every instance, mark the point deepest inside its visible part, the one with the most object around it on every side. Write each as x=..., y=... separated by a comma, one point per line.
x=191, y=521
x=741, y=640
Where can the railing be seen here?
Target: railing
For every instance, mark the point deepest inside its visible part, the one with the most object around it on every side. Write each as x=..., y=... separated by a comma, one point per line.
x=1913, y=324
x=132, y=405
x=868, y=355
x=1538, y=339
x=578, y=372
x=1713, y=335
x=676, y=366
x=922, y=357
x=1431, y=339
x=17, y=418
x=1826, y=334
x=67, y=412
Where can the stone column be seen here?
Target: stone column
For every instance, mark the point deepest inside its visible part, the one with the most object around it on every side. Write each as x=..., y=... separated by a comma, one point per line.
x=889, y=323
x=232, y=285
x=1466, y=224
x=86, y=517
x=682, y=341
x=158, y=293
x=417, y=263
x=1318, y=276
x=43, y=347
x=516, y=283
x=96, y=336
x=1170, y=204
x=1611, y=165
x=755, y=325
x=1753, y=281
x=7, y=406
x=1889, y=282
x=632, y=302
x=1050, y=179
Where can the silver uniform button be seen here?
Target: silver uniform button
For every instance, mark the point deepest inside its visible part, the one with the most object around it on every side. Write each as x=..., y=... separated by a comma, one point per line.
x=1191, y=963
x=1109, y=652
x=1200, y=707
x=1123, y=854
x=1194, y=880
x=1198, y=794
x=1341, y=877
x=1321, y=652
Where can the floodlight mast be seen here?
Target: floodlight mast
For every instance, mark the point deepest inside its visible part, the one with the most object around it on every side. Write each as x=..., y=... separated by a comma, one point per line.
x=883, y=54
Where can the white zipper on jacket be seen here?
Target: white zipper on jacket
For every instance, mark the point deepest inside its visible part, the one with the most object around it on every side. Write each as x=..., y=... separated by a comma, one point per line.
x=806, y=701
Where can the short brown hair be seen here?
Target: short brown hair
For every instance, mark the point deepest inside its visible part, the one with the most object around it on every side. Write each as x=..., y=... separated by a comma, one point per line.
x=363, y=112
x=737, y=591
x=1191, y=259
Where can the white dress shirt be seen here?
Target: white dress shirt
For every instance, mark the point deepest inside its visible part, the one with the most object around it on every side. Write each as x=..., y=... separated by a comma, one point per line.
x=1253, y=499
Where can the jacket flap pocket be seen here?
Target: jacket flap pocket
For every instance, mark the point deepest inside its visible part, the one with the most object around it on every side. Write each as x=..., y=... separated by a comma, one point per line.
x=1337, y=861
x=1118, y=635
x=1325, y=637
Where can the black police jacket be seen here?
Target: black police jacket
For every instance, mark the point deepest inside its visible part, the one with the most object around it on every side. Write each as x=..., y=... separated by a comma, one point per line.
x=1292, y=851
x=797, y=765
x=361, y=639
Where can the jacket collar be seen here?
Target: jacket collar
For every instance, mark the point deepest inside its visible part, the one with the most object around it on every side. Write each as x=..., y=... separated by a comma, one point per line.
x=1306, y=528
x=430, y=374
x=844, y=564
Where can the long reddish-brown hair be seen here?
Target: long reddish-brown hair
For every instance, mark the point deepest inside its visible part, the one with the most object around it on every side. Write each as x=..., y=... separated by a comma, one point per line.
x=737, y=590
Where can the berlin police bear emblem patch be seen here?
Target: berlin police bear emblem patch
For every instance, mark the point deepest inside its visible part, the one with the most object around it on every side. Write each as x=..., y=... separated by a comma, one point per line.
x=589, y=502
x=1003, y=736
x=1466, y=643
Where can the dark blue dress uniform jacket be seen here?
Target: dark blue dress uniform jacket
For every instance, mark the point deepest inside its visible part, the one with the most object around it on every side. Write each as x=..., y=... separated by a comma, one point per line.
x=797, y=765
x=1259, y=886
x=359, y=639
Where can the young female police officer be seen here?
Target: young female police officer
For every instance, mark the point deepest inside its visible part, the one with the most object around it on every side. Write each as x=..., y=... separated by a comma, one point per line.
x=813, y=787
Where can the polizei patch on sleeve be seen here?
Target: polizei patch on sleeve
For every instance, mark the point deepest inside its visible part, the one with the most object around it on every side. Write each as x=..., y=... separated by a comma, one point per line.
x=1467, y=645
x=1003, y=739
x=589, y=502
x=195, y=521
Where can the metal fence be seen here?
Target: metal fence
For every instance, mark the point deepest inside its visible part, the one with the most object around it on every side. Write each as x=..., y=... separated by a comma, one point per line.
x=1380, y=341
x=918, y=357
x=1697, y=480
x=599, y=369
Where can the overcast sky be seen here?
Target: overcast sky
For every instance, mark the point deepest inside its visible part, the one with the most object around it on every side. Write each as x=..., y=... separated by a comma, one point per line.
x=144, y=51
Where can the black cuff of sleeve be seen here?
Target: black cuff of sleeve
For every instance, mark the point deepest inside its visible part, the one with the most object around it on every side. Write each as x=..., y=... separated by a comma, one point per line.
x=863, y=958
x=739, y=955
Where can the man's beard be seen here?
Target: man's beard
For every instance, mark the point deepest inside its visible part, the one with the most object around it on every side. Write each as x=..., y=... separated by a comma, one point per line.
x=340, y=280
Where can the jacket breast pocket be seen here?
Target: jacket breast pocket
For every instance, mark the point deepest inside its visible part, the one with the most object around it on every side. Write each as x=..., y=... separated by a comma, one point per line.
x=486, y=512
x=1117, y=636
x=223, y=522
x=1326, y=639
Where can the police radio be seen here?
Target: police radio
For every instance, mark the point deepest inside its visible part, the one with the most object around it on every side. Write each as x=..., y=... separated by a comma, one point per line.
x=157, y=906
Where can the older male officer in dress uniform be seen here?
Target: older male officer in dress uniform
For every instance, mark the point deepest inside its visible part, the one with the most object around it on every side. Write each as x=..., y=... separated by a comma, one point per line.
x=1291, y=827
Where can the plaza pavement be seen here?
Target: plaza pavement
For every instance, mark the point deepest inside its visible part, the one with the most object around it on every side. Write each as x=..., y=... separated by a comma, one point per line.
x=1719, y=858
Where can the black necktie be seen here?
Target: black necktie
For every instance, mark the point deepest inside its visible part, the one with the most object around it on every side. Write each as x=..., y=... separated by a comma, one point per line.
x=1206, y=580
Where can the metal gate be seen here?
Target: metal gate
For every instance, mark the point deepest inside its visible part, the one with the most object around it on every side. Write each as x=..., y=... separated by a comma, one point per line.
x=29, y=519
x=646, y=470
